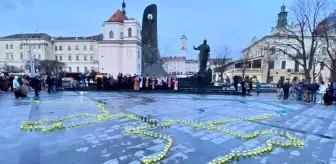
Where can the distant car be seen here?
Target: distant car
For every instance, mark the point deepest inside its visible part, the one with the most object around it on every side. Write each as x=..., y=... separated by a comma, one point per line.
x=266, y=85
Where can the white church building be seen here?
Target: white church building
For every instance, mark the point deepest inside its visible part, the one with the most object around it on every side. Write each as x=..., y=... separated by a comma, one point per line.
x=116, y=50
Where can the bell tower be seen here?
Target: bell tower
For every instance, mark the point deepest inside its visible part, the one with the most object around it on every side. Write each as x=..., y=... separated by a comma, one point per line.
x=123, y=5
x=282, y=17
x=184, y=40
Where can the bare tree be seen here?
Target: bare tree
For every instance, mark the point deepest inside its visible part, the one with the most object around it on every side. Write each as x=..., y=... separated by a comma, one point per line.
x=245, y=61
x=222, y=57
x=302, y=38
x=268, y=56
x=11, y=68
x=329, y=43
x=47, y=66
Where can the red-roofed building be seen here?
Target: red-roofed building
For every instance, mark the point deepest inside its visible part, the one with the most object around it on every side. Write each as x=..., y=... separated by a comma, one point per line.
x=120, y=48
x=116, y=49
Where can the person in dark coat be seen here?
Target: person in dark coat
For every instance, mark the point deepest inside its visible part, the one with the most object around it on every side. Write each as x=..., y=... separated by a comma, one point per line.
x=49, y=83
x=314, y=88
x=36, y=84
x=242, y=84
x=11, y=83
x=286, y=87
x=250, y=86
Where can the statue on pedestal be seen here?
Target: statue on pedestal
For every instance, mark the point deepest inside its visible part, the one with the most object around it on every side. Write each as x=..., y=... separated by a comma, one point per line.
x=203, y=56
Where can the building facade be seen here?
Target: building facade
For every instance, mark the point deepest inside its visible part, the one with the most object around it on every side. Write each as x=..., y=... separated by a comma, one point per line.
x=116, y=50
x=264, y=62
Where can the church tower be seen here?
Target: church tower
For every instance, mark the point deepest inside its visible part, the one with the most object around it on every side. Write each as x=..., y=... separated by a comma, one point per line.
x=282, y=18
x=184, y=46
x=123, y=8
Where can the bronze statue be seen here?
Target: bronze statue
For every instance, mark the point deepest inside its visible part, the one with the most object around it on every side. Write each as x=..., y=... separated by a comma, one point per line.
x=203, y=56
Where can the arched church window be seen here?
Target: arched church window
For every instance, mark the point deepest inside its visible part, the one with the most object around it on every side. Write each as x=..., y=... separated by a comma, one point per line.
x=121, y=35
x=111, y=34
x=129, y=32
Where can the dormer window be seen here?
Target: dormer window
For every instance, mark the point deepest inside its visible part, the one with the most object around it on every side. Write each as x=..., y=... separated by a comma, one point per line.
x=111, y=34
x=121, y=35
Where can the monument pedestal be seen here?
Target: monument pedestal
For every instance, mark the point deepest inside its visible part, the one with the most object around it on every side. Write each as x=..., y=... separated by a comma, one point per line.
x=204, y=77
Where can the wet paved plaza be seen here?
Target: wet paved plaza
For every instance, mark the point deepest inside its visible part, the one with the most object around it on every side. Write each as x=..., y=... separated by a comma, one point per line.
x=106, y=141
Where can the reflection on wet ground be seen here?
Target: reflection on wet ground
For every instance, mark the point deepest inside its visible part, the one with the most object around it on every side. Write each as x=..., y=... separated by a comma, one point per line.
x=107, y=142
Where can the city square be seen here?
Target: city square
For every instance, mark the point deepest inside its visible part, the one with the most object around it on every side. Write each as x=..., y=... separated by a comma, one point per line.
x=107, y=140
x=169, y=82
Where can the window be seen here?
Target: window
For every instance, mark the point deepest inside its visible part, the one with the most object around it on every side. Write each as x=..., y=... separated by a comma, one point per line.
x=84, y=47
x=77, y=58
x=7, y=46
x=296, y=66
x=91, y=58
x=111, y=34
x=11, y=46
x=77, y=47
x=129, y=32
x=12, y=57
x=55, y=48
x=39, y=46
x=137, y=33
x=34, y=46
x=85, y=58
x=256, y=63
x=270, y=79
x=322, y=65
x=91, y=47
x=138, y=66
x=138, y=54
x=69, y=48
x=70, y=69
x=21, y=46
x=69, y=58
x=271, y=64
x=283, y=65
x=61, y=68
x=77, y=69
x=34, y=56
x=56, y=58
x=60, y=48
x=85, y=69
x=282, y=79
x=21, y=56
x=39, y=57
x=60, y=58
x=121, y=35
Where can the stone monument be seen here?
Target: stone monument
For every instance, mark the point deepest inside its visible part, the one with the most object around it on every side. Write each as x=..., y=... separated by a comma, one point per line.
x=151, y=61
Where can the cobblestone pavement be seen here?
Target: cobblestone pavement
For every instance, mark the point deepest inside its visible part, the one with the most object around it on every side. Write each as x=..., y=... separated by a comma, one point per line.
x=106, y=141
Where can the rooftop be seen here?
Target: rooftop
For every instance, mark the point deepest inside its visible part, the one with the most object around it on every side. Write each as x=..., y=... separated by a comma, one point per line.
x=48, y=37
x=118, y=16
x=94, y=37
x=27, y=35
x=174, y=58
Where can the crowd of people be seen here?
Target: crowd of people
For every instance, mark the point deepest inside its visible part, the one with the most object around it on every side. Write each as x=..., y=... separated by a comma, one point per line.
x=303, y=90
x=21, y=85
x=136, y=82
x=309, y=92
